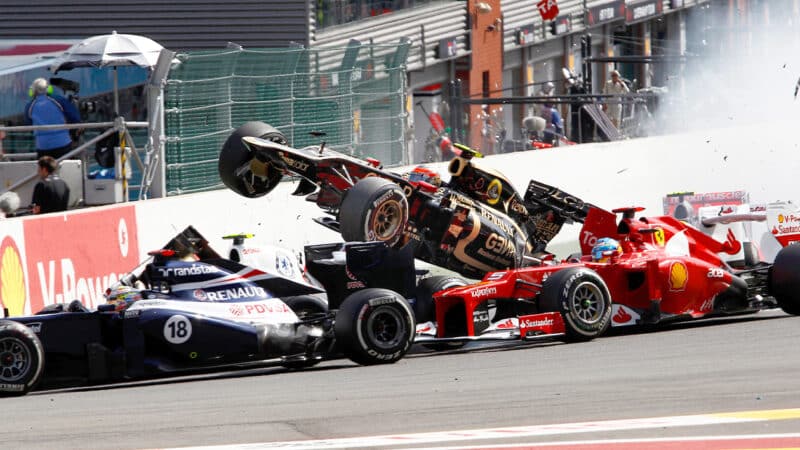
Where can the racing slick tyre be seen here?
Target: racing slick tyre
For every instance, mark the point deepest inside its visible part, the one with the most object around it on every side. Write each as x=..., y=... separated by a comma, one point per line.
x=425, y=307
x=374, y=326
x=260, y=177
x=21, y=358
x=375, y=209
x=582, y=298
x=306, y=305
x=784, y=279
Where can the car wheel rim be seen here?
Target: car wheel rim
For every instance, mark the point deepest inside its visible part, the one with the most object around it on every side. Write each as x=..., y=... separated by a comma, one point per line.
x=388, y=218
x=386, y=328
x=587, y=303
x=14, y=359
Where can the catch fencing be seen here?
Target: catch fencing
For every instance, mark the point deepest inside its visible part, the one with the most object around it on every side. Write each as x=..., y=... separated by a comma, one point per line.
x=355, y=95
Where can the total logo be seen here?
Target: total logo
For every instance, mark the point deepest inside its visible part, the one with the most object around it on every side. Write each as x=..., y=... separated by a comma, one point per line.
x=588, y=238
x=484, y=292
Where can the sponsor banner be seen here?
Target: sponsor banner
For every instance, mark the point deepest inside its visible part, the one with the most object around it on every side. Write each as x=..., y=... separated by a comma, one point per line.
x=526, y=34
x=607, y=12
x=561, y=25
x=784, y=222
x=77, y=256
x=639, y=11
x=13, y=270
x=538, y=324
x=448, y=48
x=262, y=311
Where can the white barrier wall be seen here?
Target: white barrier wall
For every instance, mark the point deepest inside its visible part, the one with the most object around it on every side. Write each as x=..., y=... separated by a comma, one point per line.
x=60, y=257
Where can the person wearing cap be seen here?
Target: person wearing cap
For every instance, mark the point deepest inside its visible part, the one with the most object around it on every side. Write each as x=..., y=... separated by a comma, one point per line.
x=614, y=108
x=46, y=108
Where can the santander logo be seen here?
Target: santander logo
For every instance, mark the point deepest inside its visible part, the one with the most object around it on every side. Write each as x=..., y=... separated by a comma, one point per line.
x=507, y=324
x=622, y=316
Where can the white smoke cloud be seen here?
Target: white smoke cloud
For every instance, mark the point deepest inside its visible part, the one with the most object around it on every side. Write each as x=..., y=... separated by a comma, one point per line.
x=744, y=75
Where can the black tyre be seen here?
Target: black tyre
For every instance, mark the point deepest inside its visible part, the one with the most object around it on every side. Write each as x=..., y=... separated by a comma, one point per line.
x=784, y=280
x=375, y=209
x=258, y=177
x=306, y=305
x=582, y=298
x=374, y=326
x=21, y=359
x=424, y=307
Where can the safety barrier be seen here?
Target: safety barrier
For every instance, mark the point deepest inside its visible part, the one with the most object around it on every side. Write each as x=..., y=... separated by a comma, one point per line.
x=354, y=95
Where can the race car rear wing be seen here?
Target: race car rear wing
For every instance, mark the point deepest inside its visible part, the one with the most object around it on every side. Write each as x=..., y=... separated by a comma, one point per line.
x=549, y=208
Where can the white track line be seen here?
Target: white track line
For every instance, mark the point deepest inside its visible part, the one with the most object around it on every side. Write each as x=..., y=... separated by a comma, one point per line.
x=517, y=432
x=737, y=437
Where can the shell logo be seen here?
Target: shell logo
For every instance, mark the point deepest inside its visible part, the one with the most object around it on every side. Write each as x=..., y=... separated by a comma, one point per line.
x=781, y=218
x=678, y=276
x=12, y=278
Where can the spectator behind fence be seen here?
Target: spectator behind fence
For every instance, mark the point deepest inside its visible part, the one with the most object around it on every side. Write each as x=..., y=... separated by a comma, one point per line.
x=51, y=193
x=614, y=108
x=555, y=127
x=46, y=108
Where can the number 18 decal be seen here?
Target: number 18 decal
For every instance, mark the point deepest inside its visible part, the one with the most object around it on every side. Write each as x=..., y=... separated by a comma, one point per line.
x=177, y=330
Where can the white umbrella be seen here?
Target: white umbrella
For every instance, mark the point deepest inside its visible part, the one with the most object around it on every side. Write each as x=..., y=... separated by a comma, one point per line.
x=110, y=50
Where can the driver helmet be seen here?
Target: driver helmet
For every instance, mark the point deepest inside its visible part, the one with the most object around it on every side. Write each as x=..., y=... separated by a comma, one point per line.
x=122, y=296
x=605, y=249
x=422, y=173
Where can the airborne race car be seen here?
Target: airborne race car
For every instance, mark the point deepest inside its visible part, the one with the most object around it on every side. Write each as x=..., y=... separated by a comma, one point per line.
x=195, y=311
x=475, y=223
x=666, y=271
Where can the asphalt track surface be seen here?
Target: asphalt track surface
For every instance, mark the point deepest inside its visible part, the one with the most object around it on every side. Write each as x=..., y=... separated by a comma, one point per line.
x=748, y=363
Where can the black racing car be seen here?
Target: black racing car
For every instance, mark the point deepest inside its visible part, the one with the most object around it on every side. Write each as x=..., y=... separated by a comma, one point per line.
x=473, y=224
x=187, y=309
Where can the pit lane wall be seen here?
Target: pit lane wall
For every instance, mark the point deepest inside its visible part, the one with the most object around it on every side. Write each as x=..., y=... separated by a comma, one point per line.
x=60, y=257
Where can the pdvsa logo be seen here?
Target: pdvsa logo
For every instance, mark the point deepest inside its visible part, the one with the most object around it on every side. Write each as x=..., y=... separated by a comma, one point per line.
x=12, y=278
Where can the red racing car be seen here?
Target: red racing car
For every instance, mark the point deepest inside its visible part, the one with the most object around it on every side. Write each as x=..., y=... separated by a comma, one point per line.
x=657, y=269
